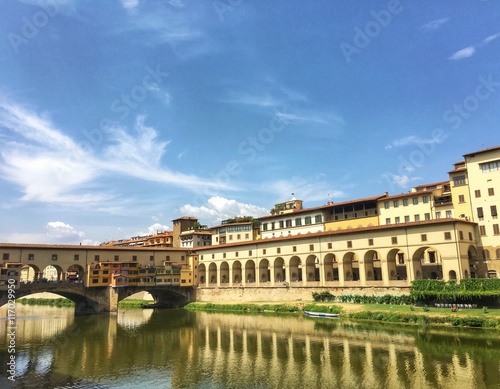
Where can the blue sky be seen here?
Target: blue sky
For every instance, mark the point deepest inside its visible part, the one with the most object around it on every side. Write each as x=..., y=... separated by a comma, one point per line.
x=118, y=116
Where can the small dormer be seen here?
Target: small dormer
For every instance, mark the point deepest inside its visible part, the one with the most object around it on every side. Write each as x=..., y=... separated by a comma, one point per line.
x=292, y=205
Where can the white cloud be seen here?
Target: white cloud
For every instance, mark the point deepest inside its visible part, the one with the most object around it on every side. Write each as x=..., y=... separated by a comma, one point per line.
x=219, y=208
x=400, y=180
x=60, y=230
x=130, y=4
x=464, y=53
x=50, y=167
x=157, y=227
x=491, y=38
x=412, y=140
x=434, y=24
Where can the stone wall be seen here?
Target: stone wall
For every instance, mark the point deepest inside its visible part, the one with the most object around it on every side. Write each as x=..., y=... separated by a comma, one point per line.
x=284, y=294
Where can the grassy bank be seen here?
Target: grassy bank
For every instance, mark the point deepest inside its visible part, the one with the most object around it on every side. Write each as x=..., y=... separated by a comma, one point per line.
x=404, y=314
x=132, y=303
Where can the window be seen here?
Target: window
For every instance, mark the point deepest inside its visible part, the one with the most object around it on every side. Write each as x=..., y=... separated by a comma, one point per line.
x=397, y=220
x=54, y=257
x=438, y=215
x=415, y=200
x=223, y=255
x=31, y=257
x=496, y=231
x=264, y=251
x=394, y=240
x=432, y=256
x=388, y=220
x=76, y=257
x=480, y=214
x=407, y=219
x=470, y=235
x=294, y=248
x=370, y=242
x=493, y=209
x=236, y=254
x=461, y=198
x=308, y=220
x=330, y=245
x=482, y=230
x=298, y=222
x=498, y=253
x=349, y=244
x=486, y=254
x=134, y=258
x=95, y=280
x=278, y=250
x=96, y=258
x=288, y=223
x=417, y=218
x=425, y=199
x=5, y=256
x=461, y=235
x=427, y=216
x=282, y=224
x=491, y=192
x=448, y=214
x=386, y=205
x=152, y=258
x=405, y=202
x=423, y=237
x=447, y=236
x=311, y=247
x=395, y=203
x=264, y=227
x=318, y=219
x=249, y=253
x=117, y=257
x=458, y=180
x=401, y=258
x=477, y=193
x=272, y=226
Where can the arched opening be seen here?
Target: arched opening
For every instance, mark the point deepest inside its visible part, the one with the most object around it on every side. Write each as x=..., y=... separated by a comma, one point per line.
x=396, y=265
x=473, y=261
x=237, y=275
x=279, y=270
x=331, y=267
x=75, y=274
x=295, y=269
x=264, y=271
x=250, y=272
x=372, y=266
x=52, y=273
x=30, y=274
x=452, y=275
x=212, y=274
x=312, y=268
x=202, y=270
x=351, y=267
x=428, y=261
x=224, y=273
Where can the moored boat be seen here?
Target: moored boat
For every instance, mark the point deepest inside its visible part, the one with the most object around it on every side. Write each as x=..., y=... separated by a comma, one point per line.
x=321, y=314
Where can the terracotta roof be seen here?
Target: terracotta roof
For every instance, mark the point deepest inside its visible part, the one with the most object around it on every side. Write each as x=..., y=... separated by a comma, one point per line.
x=482, y=151
x=80, y=247
x=409, y=194
x=432, y=184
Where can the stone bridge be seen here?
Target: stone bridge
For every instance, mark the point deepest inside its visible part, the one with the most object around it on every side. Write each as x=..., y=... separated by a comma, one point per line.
x=104, y=299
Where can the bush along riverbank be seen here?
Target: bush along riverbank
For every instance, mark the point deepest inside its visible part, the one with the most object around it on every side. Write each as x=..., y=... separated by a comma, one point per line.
x=57, y=302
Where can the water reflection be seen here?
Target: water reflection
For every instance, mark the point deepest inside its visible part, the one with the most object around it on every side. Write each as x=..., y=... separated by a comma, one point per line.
x=182, y=349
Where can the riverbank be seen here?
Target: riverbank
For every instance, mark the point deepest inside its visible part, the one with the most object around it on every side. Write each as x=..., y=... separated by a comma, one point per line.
x=404, y=314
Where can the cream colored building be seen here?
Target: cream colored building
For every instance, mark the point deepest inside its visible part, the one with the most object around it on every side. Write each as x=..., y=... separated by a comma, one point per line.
x=385, y=255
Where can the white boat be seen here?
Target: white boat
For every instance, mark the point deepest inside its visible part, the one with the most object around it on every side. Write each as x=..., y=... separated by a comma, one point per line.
x=321, y=314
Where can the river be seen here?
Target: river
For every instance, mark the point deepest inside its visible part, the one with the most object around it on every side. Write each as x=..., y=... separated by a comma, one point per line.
x=184, y=349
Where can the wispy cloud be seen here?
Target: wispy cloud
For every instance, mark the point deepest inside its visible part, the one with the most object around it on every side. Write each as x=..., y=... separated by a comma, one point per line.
x=434, y=24
x=130, y=4
x=471, y=50
x=411, y=140
x=400, y=180
x=312, y=189
x=50, y=167
x=464, y=53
